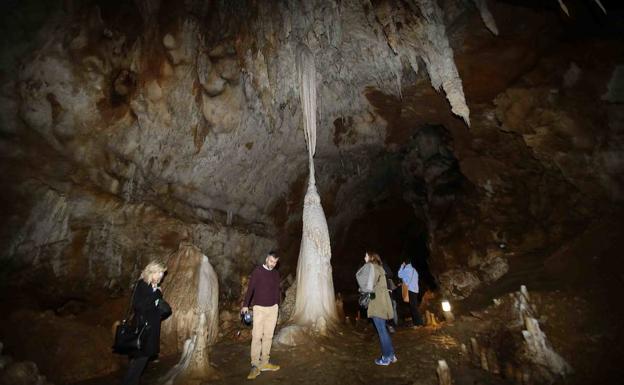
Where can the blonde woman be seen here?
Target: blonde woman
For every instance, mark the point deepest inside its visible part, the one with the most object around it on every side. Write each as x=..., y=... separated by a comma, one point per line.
x=380, y=309
x=149, y=307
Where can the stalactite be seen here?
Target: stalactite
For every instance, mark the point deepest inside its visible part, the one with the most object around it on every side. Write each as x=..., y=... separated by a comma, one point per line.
x=486, y=16
x=565, y=9
x=438, y=56
x=425, y=36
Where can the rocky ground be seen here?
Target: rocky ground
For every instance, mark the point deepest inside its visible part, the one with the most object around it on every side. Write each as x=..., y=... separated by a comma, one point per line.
x=569, y=319
x=579, y=324
x=346, y=358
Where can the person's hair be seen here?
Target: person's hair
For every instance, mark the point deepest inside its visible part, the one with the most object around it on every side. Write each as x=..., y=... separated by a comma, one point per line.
x=410, y=261
x=273, y=254
x=373, y=257
x=151, y=268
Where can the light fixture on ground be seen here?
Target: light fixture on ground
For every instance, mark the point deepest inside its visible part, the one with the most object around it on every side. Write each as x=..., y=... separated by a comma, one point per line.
x=446, y=309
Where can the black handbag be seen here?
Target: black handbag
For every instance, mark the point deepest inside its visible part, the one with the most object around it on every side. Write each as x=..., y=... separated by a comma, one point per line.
x=365, y=299
x=164, y=309
x=129, y=336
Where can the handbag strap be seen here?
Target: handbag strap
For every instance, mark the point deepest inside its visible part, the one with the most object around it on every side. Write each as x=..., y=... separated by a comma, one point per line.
x=131, y=301
x=376, y=282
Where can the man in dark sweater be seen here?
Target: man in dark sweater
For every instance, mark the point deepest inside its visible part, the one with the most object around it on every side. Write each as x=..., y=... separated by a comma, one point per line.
x=263, y=293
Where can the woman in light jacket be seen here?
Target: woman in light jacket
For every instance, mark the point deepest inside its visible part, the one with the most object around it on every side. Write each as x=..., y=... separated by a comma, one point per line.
x=380, y=310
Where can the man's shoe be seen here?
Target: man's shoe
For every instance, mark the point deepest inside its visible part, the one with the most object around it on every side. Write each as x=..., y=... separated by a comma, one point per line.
x=253, y=373
x=393, y=359
x=269, y=367
x=382, y=361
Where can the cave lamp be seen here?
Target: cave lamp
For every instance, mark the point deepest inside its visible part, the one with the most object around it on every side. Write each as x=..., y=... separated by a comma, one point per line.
x=446, y=309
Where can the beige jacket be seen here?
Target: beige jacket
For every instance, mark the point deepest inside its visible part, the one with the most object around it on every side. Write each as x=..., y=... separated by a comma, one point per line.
x=381, y=306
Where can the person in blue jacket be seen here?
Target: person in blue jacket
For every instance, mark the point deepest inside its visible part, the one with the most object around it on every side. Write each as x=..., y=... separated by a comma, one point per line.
x=409, y=277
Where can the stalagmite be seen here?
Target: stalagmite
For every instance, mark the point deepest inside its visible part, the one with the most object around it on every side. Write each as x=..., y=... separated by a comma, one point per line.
x=194, y=364
x=476, y=352
x=340, y=308
x=315, y=305
x=444, y=373
x=430, y=319
x=464, y=350
x=492, y=360
x=484, y=361
x=540, y=352
x=192, y=289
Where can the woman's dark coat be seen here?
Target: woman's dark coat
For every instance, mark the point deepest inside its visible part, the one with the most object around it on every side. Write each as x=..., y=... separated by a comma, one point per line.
x=146, y=310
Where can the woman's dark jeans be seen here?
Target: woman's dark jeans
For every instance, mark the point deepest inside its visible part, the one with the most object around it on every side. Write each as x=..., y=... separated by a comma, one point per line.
x=413, y=305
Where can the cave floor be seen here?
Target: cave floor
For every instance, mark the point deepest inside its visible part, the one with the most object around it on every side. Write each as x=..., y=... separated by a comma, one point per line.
x=581, y=328
x=347, y=358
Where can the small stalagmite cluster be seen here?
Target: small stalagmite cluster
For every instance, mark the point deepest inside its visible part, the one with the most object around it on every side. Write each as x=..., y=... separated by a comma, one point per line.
x=514, y=346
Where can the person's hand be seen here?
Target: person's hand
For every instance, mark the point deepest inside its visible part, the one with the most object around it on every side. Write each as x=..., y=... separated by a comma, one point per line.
x=403, y=264
x=244, y=309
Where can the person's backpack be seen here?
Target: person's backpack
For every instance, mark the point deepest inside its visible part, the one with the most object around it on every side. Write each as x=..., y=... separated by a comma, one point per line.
x=365, y=277
x=366, y=282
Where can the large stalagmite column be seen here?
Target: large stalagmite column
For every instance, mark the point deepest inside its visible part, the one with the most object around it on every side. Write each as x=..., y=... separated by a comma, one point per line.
x=192, y=289
x=315, y=305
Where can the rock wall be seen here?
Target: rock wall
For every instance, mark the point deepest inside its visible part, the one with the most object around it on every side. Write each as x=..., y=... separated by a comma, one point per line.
x=89, y=238
x=540, y=161
x=152, y=121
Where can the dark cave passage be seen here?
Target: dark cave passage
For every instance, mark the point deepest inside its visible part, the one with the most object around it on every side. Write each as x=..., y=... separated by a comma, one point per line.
x=389, y=228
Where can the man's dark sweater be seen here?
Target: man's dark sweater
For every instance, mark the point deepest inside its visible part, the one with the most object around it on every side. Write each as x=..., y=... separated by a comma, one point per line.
x=263, y=288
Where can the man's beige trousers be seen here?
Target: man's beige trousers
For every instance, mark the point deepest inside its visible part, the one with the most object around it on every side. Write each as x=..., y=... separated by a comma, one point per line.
x=264, y=320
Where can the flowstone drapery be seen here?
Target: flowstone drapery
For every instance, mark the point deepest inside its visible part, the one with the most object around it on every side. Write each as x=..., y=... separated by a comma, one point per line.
x=315, y=305
x=193, y=326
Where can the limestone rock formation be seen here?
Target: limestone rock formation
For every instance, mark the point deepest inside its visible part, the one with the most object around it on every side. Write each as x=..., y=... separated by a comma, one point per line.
x=511, y=330
x=192, y=290
x=314, y=302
